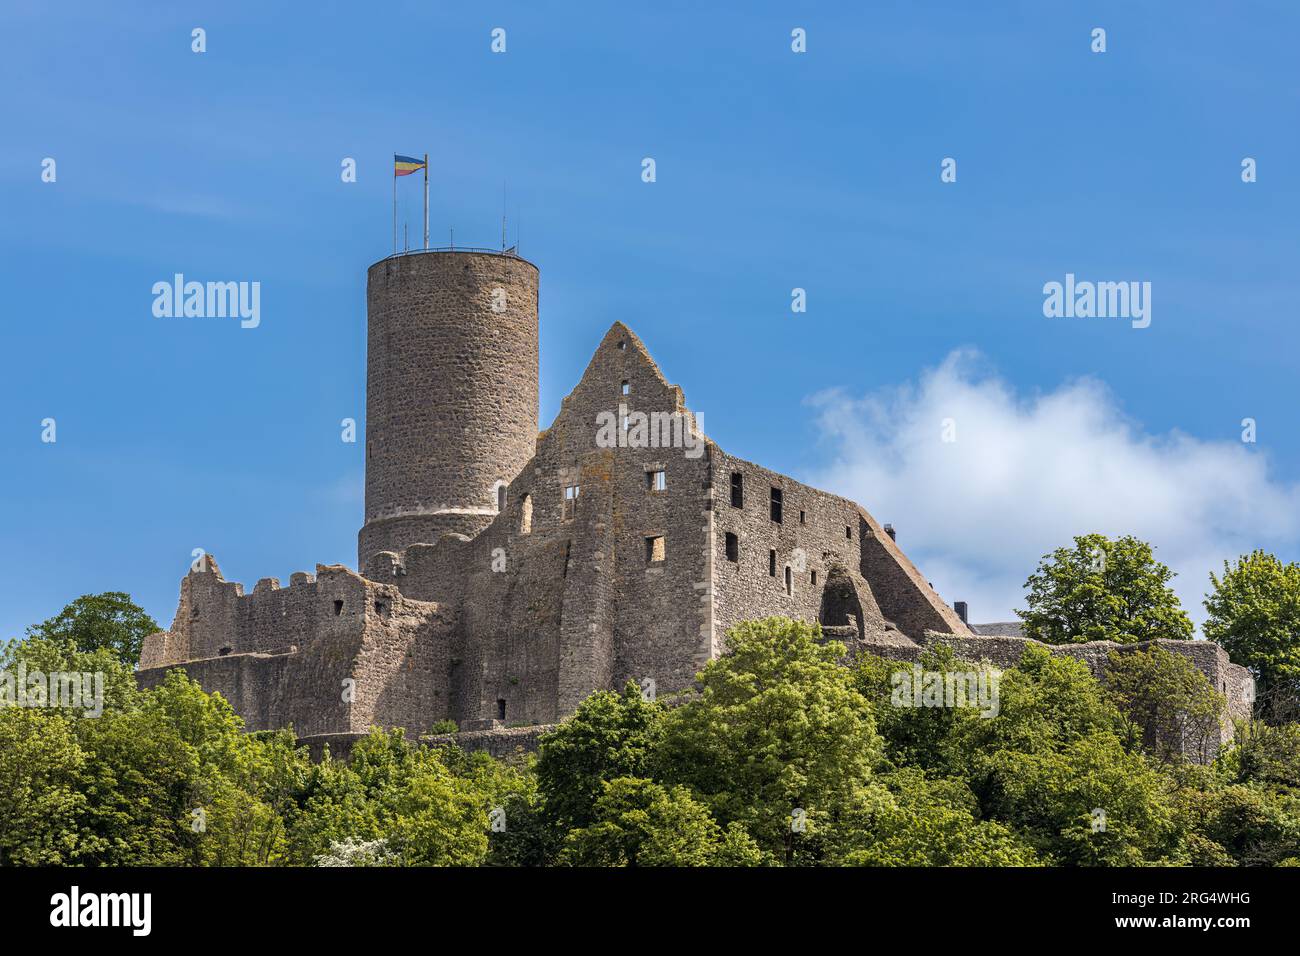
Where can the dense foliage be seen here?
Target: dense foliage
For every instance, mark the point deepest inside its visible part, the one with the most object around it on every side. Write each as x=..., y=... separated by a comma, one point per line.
x=781, y=756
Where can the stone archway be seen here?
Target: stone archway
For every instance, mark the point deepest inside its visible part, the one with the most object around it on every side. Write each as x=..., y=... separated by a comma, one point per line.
x=841, y=606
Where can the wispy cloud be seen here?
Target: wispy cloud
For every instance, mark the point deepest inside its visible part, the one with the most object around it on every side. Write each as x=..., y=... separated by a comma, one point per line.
x=1025, y=473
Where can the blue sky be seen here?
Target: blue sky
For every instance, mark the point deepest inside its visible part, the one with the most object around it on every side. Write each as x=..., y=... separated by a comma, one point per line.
x=775, y=170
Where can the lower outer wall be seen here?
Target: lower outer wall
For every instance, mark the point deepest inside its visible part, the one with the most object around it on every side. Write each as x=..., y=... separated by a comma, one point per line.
x=1231, y=680
x=502, y=742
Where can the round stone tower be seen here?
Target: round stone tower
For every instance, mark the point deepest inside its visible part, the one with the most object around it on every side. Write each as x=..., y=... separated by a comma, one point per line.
x=451, y=392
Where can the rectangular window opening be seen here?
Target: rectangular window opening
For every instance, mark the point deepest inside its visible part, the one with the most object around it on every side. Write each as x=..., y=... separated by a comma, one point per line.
x=733, y=547
x=656, y=480
x=338, y=608
x=654, y=549
x=571, y=493
x=737, y=490
x=771, y=563
x=776, y=505
x=501, y=708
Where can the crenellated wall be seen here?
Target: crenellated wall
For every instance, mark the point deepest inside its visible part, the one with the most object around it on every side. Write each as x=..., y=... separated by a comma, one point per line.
x=332, y=653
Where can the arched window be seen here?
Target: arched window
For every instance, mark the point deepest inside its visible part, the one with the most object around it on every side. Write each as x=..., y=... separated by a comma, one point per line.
x=501, y=496
x=789, y=581
x=526, y=519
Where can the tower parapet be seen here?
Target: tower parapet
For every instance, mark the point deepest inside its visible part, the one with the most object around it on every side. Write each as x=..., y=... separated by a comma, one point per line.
x=451, y=392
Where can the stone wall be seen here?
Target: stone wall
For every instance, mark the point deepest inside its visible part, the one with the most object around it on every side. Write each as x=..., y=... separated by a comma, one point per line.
x=1232, y=680
x=499, y=742
x=815, y=542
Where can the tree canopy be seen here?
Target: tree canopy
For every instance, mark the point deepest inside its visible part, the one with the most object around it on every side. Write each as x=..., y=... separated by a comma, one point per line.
x=1103, y=590
x=783, y=755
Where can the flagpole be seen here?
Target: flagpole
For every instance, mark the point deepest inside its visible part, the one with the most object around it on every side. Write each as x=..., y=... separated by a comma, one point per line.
x=394, y=207
x=426, y=201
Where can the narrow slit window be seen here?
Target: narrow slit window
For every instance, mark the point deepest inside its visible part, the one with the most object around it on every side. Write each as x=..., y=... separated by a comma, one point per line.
x=568, y=549
x=776, y=505
x=801, y=518
x=737, y=490
x=789, y=581
x=571, y=501
x=654, y=549
x=526, y=514
x=848, y=532
x=501, y=708
x=814, y=577
x=771, y=563
x=501, y=498
x=733, y=547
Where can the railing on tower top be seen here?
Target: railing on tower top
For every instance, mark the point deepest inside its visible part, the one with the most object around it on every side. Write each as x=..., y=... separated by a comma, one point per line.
x=512, y=252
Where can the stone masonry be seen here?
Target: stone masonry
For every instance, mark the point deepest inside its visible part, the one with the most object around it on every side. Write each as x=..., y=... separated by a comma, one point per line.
x=506, y=573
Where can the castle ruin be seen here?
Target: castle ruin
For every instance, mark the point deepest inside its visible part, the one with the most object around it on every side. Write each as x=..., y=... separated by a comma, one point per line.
x=505, y=574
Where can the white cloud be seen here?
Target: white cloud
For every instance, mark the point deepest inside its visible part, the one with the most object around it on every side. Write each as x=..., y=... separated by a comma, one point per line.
x=1027, y=473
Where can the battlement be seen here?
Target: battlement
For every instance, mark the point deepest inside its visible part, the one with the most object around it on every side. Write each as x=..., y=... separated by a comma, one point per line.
x=216, y=618
x=331, y=653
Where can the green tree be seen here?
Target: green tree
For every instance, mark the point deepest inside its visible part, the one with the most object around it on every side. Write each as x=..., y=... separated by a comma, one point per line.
x=637, y=822
x=1053, y=757
x=913, y=821
x=104, y=668
x=1254, y=826
x=917, y=736
x=779, y=740
x=42, y=805
x=1103, y=590
x=1045, y=703
x=109, y=621
x=611, y=735
x=1254, y=613
x=427, y=812
x=438, y=819
x=1266, y=755
x=1092, y=803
